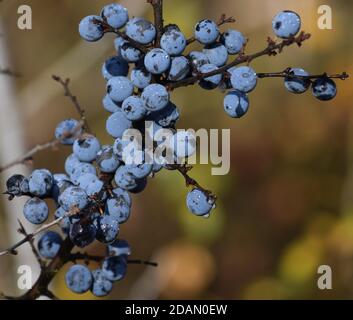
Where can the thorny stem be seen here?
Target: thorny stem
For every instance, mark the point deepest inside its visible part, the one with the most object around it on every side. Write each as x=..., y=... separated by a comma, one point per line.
x=107, y=28
x=28, y=157
x=87, y=258
x=158, y=19
x=272, y=49
x=29, y=237
x=80, y=110
x=287, y=74
x=184, y=169
x=23, y=231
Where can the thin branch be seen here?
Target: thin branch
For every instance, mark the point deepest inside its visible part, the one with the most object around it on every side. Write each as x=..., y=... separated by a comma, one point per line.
x=28, y=157
x=184, y=169
x=31, y=236
x=107, y=28
x=288, y=74
x=222, y=20
x=87, y=257
x=9, y=72
x=47, y=275
x=80, y=110
x=40, y=261
x=158, y=19
x=272, y=49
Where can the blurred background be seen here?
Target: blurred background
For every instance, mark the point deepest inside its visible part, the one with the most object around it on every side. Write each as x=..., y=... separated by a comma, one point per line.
x=285, y=208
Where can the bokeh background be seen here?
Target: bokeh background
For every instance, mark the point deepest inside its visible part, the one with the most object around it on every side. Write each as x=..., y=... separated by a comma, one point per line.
x=284, y=209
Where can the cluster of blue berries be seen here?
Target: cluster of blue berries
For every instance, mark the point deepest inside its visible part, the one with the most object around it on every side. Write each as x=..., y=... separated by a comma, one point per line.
x=93, y=195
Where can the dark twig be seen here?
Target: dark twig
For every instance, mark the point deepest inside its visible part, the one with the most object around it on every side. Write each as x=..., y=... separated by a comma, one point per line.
x=87, y=258
x=184, y=169
x=50, y=295
x=80, y=110
x=222, y=20
x=273, y=48
x=47, y=275
x=29, y=237
x=28, y=157
x=287, y=74
x=23, y=231
x=158, y=19
x=8, y=72
x=107, y=28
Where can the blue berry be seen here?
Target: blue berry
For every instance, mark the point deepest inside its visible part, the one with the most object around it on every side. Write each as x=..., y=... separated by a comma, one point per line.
x=130, y=53
x=211, y=82
x=115, y=67
x=183, y=144
x=82, y=234
x=119, y=88
x=167, y=117
x=236, y=104
x=243, y=78
x=140, y=78
x=157, y=61
x=233, y=40
x=70, y=163
x=91, y=28
x=73, y=197
x=179, y=68
x=67, y=130
x=107, y=161
x=36, y=211
x=198, y=203
x=140, y=185
x=49, y=244
x=173, y=41
x=107, y=228
x=206, y=31
x=121, y=146
x=140, y=30
x=119, y=248
x=114, y=268
x=17, y=185
x=118, y=208
x=118, y=42
x=101, y=286
x=65, y=222
x=90, y=184
x=134, y=108
x=59, y=186
x=140, y=171
x=198, y=59
x=117, y=123
x=79, y=278
x=110, y=105
x=324, y=89
x=155, y=96
x=125, y=179
x=217, y=54
x=286, y=24
x=115, y=15
x=81, y=169
x=40, y=182
x=86, y=148
x=297, y=85
x=122, y=196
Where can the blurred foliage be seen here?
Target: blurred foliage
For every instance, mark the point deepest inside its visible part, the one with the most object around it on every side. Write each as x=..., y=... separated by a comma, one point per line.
x=285, y=207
